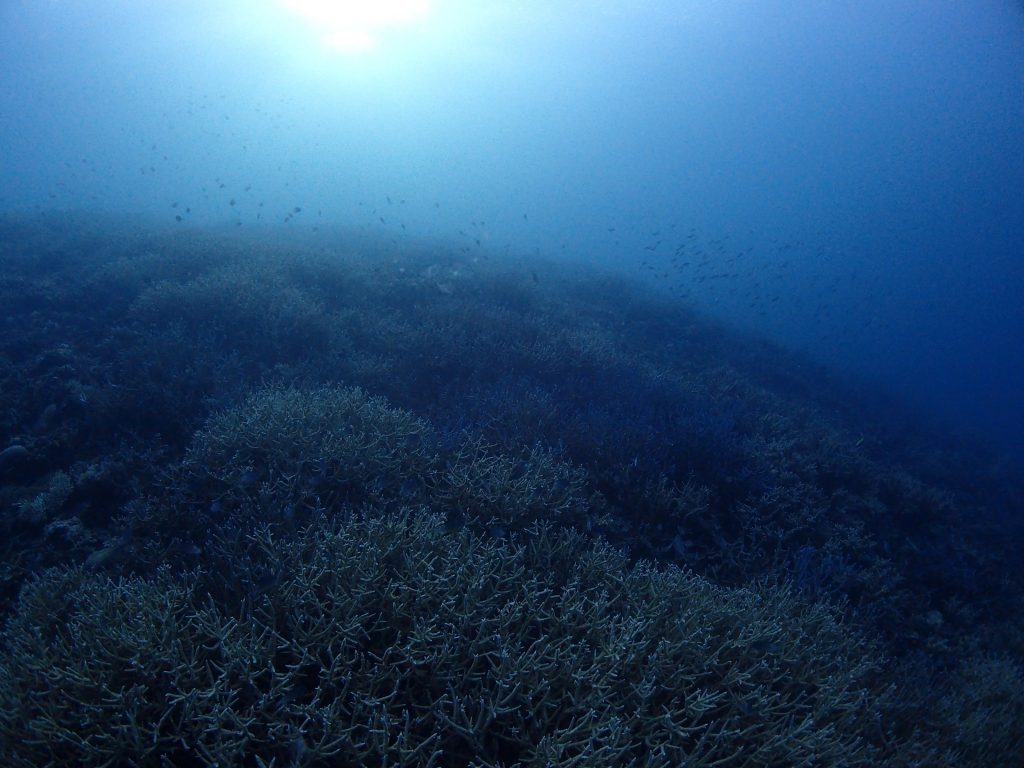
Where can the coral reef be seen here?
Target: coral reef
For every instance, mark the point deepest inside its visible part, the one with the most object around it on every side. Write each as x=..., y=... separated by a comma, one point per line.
x=264, y=504
x=387, y=640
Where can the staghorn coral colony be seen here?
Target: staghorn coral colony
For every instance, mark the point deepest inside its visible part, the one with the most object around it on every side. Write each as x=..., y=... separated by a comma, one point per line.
x=264, y=505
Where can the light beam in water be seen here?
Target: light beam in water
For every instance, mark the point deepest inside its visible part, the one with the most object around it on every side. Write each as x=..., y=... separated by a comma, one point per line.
x=355, y=26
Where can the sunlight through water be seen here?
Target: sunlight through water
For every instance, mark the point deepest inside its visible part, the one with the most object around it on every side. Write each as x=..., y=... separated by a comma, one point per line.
x=356, y=26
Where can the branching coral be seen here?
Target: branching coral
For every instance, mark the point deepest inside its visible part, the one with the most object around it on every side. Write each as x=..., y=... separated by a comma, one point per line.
x=387, y=641
x=496, y=491
x=308, y=448
x=314, y=636
x=286, y=453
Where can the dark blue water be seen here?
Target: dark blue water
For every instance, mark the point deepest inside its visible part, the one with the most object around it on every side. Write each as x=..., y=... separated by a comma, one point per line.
x=853, y=173
x=447, y=383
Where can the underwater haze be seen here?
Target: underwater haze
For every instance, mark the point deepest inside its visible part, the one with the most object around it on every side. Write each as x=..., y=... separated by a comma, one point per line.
x=451, y=384
x=844, y=178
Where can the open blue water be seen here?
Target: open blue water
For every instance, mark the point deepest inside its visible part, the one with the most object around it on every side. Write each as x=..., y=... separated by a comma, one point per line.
x=542, y=383
x=842, y=177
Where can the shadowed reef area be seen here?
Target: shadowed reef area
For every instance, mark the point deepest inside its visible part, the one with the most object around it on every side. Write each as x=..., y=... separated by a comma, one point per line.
x=347, y=502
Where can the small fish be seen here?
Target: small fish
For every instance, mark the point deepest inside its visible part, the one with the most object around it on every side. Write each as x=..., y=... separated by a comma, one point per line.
x=248, y=479
x=12, y=454
x=101, y=557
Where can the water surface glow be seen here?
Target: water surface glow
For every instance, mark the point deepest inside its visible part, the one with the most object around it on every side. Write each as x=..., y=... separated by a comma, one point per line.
x=351, y=26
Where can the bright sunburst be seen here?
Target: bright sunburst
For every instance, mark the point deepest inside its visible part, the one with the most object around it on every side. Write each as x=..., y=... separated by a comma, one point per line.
x=355, y=26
